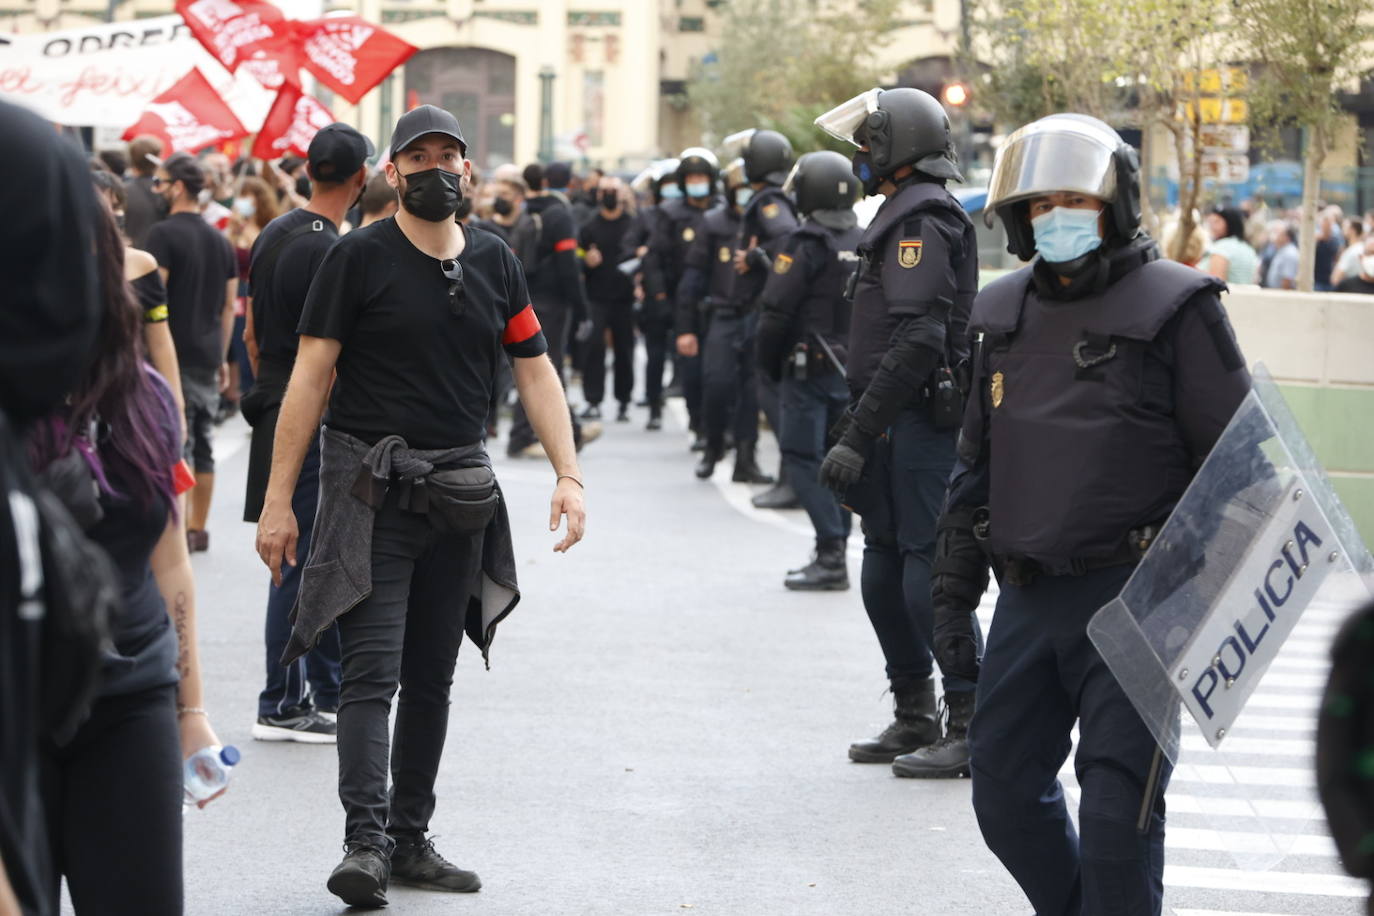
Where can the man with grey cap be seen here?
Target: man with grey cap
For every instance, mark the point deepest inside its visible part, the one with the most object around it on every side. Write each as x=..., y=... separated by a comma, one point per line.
x=298, y=701
x=412, y=544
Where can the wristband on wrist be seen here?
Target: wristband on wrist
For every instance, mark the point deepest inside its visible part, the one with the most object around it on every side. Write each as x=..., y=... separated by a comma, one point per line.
x=572, y=478
x=191, y=711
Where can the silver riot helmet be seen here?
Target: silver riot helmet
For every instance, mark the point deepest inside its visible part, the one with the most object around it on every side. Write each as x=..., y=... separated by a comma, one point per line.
x=697, y=160
x=900, y=127
x=1063, y=152
x=767, y=154
x=648, y=182
x=822, y=180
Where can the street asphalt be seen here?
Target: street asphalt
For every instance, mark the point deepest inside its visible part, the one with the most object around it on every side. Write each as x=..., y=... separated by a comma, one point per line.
x=663, y=730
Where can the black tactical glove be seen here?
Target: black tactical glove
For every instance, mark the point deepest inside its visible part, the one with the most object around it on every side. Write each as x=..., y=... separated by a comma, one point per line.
x=757, y=259
x=844, y=463
x=959, y=577
x=771, y=343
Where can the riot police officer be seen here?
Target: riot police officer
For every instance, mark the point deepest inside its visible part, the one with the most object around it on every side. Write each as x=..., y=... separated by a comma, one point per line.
x=707, y=322
x=656, y=183
x=1102, y=377
x=803, y=338
x=678, y=224
x=768, y=219
x=916, y=280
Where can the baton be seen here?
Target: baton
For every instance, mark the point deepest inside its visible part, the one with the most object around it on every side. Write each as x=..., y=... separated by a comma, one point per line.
x=830, y=354
x=1142, y=825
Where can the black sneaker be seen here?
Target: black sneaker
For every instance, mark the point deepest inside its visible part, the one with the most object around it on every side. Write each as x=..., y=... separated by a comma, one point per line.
x=307, y=726
x=623, y=414
x=415, y=862
x=592, y=412
x=360, y=879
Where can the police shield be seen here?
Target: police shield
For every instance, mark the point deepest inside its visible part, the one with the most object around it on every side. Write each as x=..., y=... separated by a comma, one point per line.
x=1258, y=541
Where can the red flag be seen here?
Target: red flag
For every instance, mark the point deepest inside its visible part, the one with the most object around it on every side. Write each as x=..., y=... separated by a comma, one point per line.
x=292, y=123
x=231, y=30
x=188, y=117
x=349, y=54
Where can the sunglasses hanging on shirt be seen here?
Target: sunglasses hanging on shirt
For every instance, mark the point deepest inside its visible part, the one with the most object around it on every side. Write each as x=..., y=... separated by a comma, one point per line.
x=454, y=272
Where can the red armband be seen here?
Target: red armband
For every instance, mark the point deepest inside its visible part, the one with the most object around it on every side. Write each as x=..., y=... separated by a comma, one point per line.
x=182, y=478
x=565, y=245
x=522, y=327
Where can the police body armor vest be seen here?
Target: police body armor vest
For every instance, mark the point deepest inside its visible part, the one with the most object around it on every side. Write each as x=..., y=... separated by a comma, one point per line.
x=826, y=311
x=721, y=226
x=872, y=325
x=1080, y=450
x=749, y=286
x=681, y=223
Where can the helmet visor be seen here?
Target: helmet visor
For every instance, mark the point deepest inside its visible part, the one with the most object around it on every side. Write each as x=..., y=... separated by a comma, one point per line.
x=790, y=185
x=1037, y=161
x=734, y=173
x=735, y=144
x=844, y=120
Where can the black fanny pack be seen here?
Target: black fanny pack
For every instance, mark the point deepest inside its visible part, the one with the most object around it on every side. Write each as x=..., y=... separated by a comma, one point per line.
x=462, y=500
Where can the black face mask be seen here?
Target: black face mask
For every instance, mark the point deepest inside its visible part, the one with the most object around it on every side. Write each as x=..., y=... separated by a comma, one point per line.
x=464, y=209
x=609, y=200
x=502, y=207
x=863, y=170
x=432, y=195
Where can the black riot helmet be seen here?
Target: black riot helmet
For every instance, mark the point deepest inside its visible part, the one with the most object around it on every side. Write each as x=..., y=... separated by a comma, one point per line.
x=698, y=160
x=822, y=180
x=1064, y=152
x=899, y=127
x=767, y=154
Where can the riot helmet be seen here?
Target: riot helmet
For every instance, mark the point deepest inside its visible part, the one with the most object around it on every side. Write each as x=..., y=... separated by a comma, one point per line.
x=698, y=160
x=737, y=189
x=900, y=127
x=1064, y=152
x=822, y=180
x=767, y=154
x=649, y=181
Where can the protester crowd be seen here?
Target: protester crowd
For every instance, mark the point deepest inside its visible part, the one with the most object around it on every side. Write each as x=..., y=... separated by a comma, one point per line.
x=216, y=281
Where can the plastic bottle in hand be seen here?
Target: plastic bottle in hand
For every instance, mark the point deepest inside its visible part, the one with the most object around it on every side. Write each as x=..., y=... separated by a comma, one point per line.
x=207, y=773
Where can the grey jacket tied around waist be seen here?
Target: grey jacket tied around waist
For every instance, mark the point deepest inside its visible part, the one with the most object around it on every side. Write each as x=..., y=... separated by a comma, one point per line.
x=354, y=480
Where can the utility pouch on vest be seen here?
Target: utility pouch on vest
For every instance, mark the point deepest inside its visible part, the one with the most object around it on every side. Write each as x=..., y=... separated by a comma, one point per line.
x=944, y=399
x=462, y=500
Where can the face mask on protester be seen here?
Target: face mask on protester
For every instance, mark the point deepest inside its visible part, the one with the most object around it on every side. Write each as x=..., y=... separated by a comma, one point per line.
x=432, y=195
x=245, y=207
x=609, y=200
x=502, y=207
x=1066, y=234
x=670, y=191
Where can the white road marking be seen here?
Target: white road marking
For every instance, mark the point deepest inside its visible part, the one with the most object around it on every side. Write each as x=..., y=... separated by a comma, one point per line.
x=1265, y=882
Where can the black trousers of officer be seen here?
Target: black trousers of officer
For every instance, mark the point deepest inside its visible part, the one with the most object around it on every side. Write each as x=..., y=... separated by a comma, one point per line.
x=729, y=391
x=899, y=499
x=555, y=317
x=655, y=329
x=1040, y=673
x=619, y=319
x=810, y=407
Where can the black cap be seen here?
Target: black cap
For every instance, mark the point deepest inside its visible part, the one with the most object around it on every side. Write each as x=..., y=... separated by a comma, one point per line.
x=337, y=152
x=427, y=119
x=558, y=174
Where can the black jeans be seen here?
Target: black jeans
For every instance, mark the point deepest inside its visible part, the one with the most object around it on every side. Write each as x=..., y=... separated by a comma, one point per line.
x=113, y=801
x=555, y=317
x=619, y=319
x=406, y=632
x=810, y=407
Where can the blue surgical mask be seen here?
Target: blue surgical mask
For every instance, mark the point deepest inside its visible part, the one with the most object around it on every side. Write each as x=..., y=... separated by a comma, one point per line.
x=742, y=196
x=670, y=191
x=699, y=190
x=1065, y=234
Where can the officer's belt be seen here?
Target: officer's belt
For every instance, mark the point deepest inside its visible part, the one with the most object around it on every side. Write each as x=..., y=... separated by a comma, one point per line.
x=1022, y=571
x=723, y=308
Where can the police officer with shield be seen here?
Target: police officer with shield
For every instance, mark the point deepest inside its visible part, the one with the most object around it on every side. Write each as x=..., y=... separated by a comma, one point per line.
x=803, y=338
x=1102, y=377
x=894, y=447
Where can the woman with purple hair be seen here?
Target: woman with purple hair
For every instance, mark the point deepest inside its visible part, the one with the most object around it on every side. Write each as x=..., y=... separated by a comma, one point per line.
x=118, y=437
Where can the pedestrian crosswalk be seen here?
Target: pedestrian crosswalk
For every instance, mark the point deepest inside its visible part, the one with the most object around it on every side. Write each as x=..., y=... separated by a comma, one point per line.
x=1229, y=813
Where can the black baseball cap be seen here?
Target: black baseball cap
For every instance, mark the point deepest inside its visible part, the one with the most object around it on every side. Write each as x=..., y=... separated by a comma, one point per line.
x=427, y=119
x=337, y=152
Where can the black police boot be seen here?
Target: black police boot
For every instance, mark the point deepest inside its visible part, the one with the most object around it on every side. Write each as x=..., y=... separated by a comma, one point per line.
x=707, y=465
x=747, y=470
x=914, y=725
x=781, y=496
x=948, y=757
x=827, y=572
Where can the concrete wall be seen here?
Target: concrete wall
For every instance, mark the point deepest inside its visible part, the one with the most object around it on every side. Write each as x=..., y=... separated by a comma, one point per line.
x=1320, y=349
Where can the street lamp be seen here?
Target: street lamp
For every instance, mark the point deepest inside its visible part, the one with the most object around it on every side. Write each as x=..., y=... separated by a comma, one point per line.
x=546, y=75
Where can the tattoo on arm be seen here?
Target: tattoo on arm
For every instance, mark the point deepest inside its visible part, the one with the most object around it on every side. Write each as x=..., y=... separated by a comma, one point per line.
x=183, y=645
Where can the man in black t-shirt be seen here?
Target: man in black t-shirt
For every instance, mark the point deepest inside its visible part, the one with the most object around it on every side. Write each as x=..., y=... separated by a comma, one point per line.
x=298, y=701
x=145, y=206
x=611, y=292
x=202, y=277
x=415, y=313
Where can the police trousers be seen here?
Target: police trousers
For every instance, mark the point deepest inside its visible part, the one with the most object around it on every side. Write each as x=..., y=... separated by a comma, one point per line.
x=1040, y=674
x=899, y=500
x=809, y=408
x=729, y=392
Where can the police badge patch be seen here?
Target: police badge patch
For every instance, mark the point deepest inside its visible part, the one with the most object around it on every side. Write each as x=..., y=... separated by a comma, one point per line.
x=724, y=254
x=783, y=264
x=688, y=234
x=769, y=211
x=909, y=252
x=997, y=389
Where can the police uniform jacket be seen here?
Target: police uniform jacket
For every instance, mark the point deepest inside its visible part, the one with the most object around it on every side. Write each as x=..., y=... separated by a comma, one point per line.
x=677, y=227
x=918, y=257
x=708, y=279
x=804, y=296
x=770, y=218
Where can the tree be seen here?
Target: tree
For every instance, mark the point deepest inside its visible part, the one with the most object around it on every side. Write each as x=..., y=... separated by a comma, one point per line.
x=1307, y=51
x=781, y=63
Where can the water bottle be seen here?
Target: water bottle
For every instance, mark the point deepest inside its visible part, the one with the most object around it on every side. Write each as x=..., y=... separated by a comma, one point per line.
x=207, y=773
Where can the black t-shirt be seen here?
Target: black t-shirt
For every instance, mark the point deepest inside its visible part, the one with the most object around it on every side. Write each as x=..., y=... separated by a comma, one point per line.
x=608, y=283
x=279, y=297
x=151, y=294
x=199, y=261
x=409, y=366
x=1355, y=284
